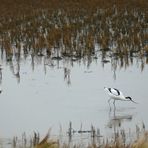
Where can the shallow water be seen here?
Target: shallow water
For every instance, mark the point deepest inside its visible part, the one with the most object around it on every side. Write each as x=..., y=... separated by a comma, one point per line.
x=44, y=96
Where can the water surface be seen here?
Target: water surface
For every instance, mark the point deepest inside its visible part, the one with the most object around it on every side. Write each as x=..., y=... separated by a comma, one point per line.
x=43, y=93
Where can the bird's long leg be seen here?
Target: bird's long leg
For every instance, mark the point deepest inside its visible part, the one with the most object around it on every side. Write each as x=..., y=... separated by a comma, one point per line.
x=109, y=103
x=109, y=100
x=114, y=104
x=114, y=111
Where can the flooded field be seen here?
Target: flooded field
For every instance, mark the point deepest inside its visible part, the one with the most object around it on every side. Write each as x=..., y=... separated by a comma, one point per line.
x=55, y=60
x=43, y=96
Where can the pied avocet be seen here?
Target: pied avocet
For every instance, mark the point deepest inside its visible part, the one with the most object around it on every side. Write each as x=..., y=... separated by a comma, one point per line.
x=116, y=94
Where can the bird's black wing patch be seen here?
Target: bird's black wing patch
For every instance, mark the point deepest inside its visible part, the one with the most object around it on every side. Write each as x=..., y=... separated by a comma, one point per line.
x=110, y=90
x=114, y=91
x=117, y=91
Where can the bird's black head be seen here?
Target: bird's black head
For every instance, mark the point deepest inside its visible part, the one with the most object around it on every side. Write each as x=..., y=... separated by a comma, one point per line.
x=130, y=99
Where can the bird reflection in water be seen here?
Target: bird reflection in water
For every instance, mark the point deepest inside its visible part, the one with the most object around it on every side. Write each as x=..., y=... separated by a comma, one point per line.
x=116, y=120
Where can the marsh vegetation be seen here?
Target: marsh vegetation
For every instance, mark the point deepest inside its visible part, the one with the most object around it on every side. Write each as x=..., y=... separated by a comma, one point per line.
x=71, y=29
x=119, y=140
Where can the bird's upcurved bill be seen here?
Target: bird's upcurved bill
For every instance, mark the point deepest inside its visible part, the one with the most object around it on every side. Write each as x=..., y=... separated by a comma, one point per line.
x=133, y=101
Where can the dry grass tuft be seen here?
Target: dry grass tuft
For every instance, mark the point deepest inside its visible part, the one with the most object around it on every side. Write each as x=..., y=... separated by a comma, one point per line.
x=46, y=143
x=142, y=142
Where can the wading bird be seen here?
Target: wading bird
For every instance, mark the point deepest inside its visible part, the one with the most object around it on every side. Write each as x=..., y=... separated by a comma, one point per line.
x=116, y=94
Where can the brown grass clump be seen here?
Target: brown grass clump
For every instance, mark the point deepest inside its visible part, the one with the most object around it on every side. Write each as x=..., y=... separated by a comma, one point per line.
x=142, y=142
x=46, y=143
